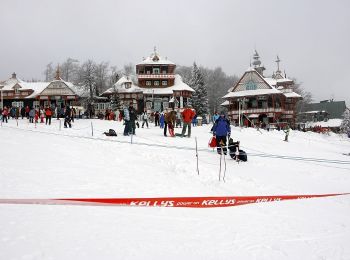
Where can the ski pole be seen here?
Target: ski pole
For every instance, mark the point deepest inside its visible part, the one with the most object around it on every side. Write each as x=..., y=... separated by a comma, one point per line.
x=197, y=155
x=220, y=168
x=224, y=168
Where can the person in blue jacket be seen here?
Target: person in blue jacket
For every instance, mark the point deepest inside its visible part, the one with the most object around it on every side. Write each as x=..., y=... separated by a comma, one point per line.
x=222, y=131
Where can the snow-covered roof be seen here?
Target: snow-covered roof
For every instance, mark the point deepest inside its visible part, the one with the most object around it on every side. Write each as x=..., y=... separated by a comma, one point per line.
x=10, y=83
x=38, y=87
x=252, y=92
x=123, y=85
x=292, y=95
x=336, y=122
x=225, y=103
x=156, y=59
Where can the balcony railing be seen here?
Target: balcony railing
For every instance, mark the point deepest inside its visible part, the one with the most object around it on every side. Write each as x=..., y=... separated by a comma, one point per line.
x=262, y=110
x=156, y=76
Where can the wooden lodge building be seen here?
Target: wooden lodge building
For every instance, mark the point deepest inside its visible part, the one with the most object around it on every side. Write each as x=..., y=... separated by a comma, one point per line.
x=157, y=87
x=15, y=92
x=256, y=99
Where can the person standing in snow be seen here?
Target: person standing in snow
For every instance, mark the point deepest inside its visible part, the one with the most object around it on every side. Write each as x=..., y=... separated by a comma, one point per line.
x=42, y=114
x=67, y=117
x=215, y=117
x=48, y=114
x=133, y=118
x=156, y=118
x=126, y=117
x=286, y=131
x=31, y=115
x=222, y=131
x=5, y=114
x=187, y=115
x=169, y=121
x=161, y=120
x=144, y=117
x=178, y=119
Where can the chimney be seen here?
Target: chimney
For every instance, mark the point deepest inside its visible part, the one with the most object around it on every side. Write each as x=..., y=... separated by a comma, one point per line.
x=14, y=75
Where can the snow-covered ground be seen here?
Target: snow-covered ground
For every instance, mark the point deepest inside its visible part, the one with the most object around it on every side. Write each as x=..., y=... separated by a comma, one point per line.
x=46, y=162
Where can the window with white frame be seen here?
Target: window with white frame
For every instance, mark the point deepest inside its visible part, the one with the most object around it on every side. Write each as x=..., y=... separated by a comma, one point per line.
x=149, y=104
x=36, y=103
x=148, y=83
x=17, y=104
x=164, y=83
x=156, y=70
x=156, y=83
x=16, y=90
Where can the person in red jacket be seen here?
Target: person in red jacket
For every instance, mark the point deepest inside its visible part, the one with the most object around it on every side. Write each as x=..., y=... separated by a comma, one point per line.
x=187, y=116
x=48, y=114
x=5, y=114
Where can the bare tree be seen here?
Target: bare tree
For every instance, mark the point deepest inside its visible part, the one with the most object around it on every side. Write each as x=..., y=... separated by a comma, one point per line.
x=101, y=75
x=88, y=77
x=49, y=72
x=129, y=69
x=306, y=95
x=69, y=69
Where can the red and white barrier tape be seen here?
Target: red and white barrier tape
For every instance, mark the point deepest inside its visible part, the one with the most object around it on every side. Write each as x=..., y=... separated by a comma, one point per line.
x=185, y=202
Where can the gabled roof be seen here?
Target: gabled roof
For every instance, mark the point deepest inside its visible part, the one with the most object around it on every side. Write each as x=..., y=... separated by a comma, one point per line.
x=121, y=86
x=156, y=59
x=264, y=86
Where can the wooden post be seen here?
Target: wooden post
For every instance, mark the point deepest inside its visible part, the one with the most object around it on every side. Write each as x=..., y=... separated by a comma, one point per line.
x=92, y=130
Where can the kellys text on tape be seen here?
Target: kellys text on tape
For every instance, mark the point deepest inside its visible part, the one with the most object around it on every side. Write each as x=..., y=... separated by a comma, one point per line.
x=185, y=202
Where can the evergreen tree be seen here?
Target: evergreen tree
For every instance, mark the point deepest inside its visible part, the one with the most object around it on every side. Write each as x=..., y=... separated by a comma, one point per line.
x=200, y=96
x=345, y=125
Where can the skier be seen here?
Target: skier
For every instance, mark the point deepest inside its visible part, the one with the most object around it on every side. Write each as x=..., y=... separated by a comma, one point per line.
x=287, y=133
x=144, y=117
x=222, y=131
x=187, y=116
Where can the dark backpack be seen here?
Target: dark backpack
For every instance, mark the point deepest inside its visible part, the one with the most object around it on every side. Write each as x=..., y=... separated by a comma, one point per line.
x=242, y=156
x=110, y=132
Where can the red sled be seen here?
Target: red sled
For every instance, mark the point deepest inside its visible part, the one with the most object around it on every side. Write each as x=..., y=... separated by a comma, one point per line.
x=212, y=142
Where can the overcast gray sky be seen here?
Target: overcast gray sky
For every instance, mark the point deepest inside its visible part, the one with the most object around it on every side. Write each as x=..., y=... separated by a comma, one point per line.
x=312, y=38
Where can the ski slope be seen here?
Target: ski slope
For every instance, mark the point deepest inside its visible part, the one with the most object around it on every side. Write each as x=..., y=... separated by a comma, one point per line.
x=48, y=162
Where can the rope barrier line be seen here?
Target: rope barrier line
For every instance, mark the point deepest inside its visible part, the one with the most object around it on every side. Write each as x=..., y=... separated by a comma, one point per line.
x=183, y=202
x=275, y=156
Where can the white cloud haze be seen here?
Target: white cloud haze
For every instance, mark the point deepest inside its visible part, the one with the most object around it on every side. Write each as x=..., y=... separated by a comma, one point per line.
x=311, y=37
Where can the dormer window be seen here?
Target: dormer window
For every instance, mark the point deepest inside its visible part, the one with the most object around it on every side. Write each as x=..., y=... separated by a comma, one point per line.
x=16, y=90
x=127, y=85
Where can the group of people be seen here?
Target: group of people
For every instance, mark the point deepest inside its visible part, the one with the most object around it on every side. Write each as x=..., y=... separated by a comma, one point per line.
x=39, y=114
x=166, y=120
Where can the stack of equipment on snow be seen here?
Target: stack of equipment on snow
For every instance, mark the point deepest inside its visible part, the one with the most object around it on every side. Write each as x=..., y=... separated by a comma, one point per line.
x=236, y=153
